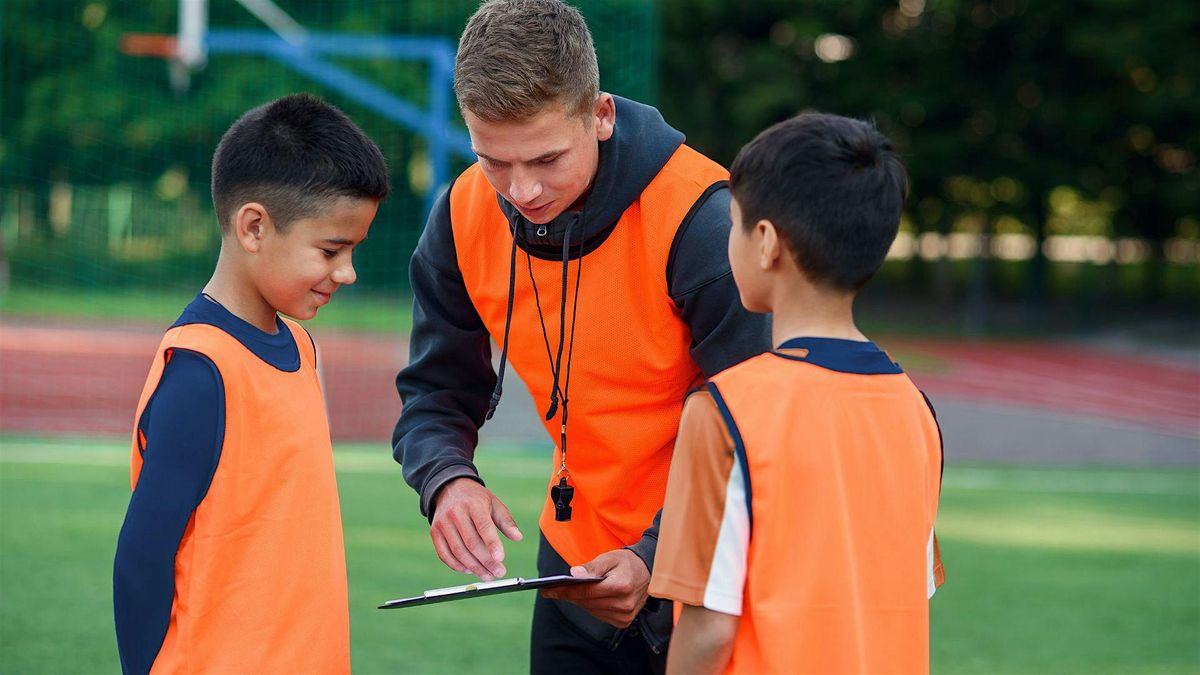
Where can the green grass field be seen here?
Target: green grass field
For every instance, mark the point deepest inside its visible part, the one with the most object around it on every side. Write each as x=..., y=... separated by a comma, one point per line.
x=352, y=309
x=1053, y=570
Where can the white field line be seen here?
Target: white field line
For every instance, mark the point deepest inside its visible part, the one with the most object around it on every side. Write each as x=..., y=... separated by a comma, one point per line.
x=1103, y=481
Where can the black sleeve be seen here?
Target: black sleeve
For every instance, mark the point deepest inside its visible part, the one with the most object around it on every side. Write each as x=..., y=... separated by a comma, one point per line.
x=648, y=544
x=184, y=425
x=701, y=284
x=447, y=384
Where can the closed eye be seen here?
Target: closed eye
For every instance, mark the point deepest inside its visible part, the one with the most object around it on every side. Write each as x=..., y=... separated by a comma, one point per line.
x=329, y=253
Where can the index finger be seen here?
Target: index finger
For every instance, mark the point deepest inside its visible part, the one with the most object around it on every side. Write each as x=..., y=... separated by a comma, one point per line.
x=475, y=532
x=486, y=529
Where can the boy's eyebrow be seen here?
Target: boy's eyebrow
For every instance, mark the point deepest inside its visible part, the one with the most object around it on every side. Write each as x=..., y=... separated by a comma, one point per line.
x=342, y=241
x=543, y=156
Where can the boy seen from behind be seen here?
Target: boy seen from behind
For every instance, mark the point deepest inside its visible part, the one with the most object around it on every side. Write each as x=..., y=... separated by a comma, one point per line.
x=797, y=532
x=231, y=556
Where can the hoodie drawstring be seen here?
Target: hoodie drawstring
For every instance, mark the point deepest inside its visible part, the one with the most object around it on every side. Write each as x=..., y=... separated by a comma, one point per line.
x=563, y=490
x=512, y=285
x=556, y=365
x=570, y=352
x=562, y=493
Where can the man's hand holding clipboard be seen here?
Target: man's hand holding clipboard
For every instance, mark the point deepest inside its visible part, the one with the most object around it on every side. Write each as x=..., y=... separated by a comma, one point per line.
x=617, y=599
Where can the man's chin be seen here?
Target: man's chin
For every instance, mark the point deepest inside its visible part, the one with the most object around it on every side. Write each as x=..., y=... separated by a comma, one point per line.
x=541, y=216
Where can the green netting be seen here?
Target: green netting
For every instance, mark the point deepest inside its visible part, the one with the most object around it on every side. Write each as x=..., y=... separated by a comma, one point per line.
x=104, y=169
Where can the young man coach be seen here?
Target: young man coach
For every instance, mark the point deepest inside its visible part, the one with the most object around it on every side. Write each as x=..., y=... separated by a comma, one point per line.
x=590, y=243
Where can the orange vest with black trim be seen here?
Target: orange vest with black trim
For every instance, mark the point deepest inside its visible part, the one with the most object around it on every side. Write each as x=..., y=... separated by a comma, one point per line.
x=260, y=574
x=844, y=475
x=630, y=369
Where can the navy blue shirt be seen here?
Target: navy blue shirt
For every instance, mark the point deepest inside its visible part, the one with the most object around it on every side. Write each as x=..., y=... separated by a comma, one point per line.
x=184, y=424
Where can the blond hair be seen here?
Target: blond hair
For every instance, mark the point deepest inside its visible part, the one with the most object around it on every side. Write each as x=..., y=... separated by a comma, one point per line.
x=516, y=57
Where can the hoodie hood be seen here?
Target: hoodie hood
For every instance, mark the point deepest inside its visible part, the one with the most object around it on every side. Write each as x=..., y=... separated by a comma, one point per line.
x=641, y=144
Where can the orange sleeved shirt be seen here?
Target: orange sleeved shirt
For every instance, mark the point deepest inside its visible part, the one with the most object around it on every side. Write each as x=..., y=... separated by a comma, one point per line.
x=705, y=531
x=801, y=498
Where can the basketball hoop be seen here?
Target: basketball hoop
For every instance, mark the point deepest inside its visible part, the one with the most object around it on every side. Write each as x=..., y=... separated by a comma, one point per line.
x=184, y=51
x=151, y=45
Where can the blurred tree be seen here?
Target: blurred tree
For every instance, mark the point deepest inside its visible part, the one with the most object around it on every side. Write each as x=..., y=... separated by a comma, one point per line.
x=75, y=111
x=1144, y=140
x=1017, y=97
x=994, y=103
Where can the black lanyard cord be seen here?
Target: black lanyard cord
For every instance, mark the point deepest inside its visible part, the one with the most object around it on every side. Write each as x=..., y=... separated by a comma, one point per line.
x=512, y=284
x=560, y=393
x=556, y=365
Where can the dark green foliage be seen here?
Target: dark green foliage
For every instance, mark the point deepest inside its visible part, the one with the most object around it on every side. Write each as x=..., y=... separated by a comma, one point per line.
x=75, y=110
x=994, y=105
x=1101, y=96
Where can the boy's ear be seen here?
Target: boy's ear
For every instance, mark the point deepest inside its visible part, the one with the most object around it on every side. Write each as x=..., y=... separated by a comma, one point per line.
x=251, y=225
x=770, y=246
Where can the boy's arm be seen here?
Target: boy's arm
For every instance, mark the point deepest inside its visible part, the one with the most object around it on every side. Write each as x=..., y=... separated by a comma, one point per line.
x=184, y=426
x=705, y=538
x=448, y=381
x=702, y=642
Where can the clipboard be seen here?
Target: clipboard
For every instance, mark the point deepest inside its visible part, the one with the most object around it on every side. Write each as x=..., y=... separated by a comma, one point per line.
x=483, y=588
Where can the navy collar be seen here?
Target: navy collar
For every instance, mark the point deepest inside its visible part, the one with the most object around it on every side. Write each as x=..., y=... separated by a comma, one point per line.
x=843, y=356
x=279, y=350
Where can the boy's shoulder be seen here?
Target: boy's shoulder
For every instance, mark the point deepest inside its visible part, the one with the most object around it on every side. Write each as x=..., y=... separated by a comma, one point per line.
x=759, y=366
x=814, y=367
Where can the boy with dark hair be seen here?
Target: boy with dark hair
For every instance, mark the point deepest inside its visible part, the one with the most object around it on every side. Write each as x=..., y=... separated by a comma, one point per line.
x=798, y=526
x=231, y=556
x=588, y=242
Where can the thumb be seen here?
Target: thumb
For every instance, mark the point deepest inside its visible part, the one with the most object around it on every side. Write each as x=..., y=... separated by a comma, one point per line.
x=597, y=567
x=504, y=520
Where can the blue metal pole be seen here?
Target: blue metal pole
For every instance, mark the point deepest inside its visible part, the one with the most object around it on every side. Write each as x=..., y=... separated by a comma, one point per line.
x=434, y=125
x=441, y=74
x=301, y=58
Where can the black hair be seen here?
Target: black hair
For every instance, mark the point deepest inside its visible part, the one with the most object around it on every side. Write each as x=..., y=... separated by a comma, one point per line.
x=295, y=156
x=832, y=186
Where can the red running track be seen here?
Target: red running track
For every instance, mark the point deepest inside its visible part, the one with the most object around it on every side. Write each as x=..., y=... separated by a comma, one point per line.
x=71, y=380
x=86, y=380
x=1063, y=377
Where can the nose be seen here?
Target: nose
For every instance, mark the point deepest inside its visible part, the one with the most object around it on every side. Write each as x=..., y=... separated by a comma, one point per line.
x=524, y=187
x=344, y=275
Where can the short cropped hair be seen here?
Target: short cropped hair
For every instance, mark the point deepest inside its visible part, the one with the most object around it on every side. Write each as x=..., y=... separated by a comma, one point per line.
x=832, y=186
x=515, y=57
x=296, y=156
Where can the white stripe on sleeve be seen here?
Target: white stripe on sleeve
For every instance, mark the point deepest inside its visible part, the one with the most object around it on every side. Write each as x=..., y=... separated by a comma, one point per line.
x=929, y=563
x=727, y=578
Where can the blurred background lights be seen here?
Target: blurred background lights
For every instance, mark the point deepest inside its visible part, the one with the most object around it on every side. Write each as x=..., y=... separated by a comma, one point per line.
x=832, y=48
x=912, y=8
